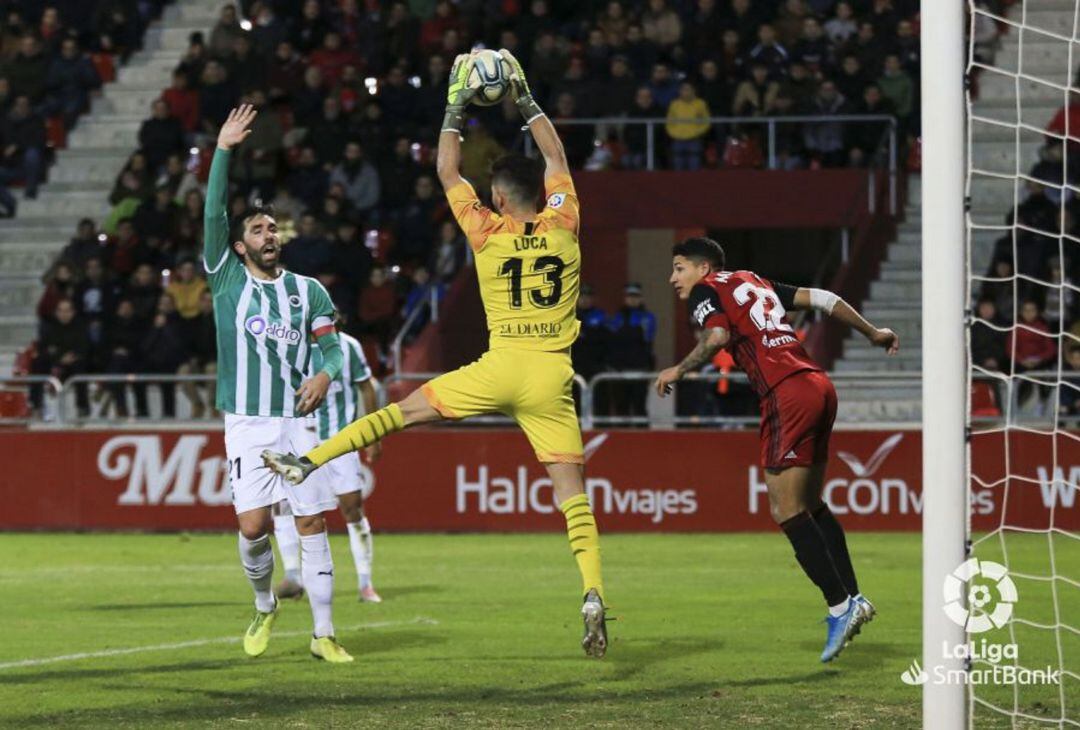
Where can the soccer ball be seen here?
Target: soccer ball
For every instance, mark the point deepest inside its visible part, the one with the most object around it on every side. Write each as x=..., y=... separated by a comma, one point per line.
x=490, y=76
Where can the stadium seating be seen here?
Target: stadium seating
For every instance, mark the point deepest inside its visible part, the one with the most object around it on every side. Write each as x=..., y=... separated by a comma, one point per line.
x=680, y=41
x=87, y=161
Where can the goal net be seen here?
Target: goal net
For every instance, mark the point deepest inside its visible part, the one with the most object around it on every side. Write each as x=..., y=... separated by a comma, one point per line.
x=1023, y=261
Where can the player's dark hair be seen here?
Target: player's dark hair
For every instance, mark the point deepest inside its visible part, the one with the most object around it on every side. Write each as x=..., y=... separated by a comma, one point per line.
x=700, y=248
x=240, y=223
x=520, y=177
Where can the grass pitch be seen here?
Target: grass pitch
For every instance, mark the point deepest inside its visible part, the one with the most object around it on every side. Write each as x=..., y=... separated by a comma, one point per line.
x=476, y=630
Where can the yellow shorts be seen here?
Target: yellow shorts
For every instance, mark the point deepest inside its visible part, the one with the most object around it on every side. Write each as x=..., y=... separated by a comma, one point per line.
x=531, y=386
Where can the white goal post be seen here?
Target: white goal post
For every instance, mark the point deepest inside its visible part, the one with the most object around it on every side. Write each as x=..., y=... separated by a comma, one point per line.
x=944, y=367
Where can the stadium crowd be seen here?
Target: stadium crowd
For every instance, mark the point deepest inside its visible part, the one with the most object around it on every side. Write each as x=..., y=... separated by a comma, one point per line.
x=53, y=56
x=351, y=94
x=1027, y=306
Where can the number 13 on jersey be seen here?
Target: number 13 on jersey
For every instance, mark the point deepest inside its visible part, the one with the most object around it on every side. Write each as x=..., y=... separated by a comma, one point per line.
x=548, y=269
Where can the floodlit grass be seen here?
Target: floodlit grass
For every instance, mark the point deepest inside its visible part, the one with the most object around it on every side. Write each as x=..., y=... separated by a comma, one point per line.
x=476, y=630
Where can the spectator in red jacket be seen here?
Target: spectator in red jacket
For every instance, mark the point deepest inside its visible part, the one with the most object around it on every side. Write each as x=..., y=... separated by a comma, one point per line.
x=377, y=312
x=1032, y=348
x=434, y=28
x=1066, y=123
x=286, y=72
x=183, y=101
x=332, y=58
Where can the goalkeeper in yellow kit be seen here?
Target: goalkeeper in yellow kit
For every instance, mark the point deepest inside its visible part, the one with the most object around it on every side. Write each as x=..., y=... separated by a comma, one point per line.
x=528, y=263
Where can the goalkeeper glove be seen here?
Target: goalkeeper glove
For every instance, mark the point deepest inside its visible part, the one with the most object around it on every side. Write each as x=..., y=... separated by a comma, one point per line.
x=526, y=104
x=458, y=95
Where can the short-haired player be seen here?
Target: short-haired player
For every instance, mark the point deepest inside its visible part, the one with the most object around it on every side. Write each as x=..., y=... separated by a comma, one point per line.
x=746, y=313
x=268, y=323
x=528, y=263
x=351, y=394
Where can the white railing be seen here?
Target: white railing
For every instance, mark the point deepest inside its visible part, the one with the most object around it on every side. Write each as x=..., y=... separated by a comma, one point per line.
x=429, y=304
x=589, y=394
x=886, y=156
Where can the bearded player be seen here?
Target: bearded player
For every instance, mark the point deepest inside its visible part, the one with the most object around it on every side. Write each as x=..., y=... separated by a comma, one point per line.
x=745, y=313
x=268, y=322
x=345, y=473
x=528, y=263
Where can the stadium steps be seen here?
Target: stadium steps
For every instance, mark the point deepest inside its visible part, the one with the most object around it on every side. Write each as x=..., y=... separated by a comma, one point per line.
x=894, y=410
x=84, y=171
x=894, y=301
x=1031, y=101
x=116, y=132
x=1048, y=65
x=895, y=298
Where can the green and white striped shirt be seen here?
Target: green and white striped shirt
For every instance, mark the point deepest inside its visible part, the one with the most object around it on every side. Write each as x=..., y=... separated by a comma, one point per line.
x=341, y=406
x=266, y=329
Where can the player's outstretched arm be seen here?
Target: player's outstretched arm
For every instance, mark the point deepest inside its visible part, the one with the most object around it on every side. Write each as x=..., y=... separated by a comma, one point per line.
x=215, y=211
x=710, y=342
x=543, y=131
x=835, y=306
x=458, y=95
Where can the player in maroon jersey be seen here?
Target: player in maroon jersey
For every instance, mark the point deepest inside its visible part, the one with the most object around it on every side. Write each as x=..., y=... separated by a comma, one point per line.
x=745, y=313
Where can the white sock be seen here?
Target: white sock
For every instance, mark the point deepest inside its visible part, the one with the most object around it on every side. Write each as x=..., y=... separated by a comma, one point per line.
x=318, y=571
x=363, y=549
x=840, y=608
x=257, y=557
x=288, y=544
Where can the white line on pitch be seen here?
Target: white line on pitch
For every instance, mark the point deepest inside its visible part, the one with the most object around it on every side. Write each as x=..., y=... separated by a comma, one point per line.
x=34, y=572
x=198, y=642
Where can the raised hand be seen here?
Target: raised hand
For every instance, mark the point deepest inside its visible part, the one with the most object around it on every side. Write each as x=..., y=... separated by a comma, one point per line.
x=519, y=86
x=459, y=94
x=236, y=128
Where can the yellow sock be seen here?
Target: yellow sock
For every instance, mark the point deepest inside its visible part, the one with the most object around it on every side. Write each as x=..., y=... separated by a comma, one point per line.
x=359, y=434
x=584, y=541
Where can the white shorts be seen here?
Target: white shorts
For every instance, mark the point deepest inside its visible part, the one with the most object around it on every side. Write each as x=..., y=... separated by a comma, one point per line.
x=348, y=474
x=255, y=486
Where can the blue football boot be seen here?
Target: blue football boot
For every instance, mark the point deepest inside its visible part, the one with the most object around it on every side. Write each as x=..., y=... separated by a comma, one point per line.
x=841, y=629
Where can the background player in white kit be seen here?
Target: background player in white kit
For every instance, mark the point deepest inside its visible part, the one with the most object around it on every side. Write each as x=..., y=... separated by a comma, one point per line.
x=268, y=323
x=346, y=475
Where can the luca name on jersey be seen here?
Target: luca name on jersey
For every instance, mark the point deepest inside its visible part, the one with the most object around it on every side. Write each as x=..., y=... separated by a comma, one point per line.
x=530, y=243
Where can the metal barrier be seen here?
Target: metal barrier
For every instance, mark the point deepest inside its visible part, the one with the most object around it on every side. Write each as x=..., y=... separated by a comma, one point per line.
x=888, y=147
x=431, y=304
x=104, y=395
x=654, y=410
x=57, y=397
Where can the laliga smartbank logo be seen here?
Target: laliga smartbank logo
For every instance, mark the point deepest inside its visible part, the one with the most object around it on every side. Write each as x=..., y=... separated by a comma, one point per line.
x=979, y=596
x=983, y=611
